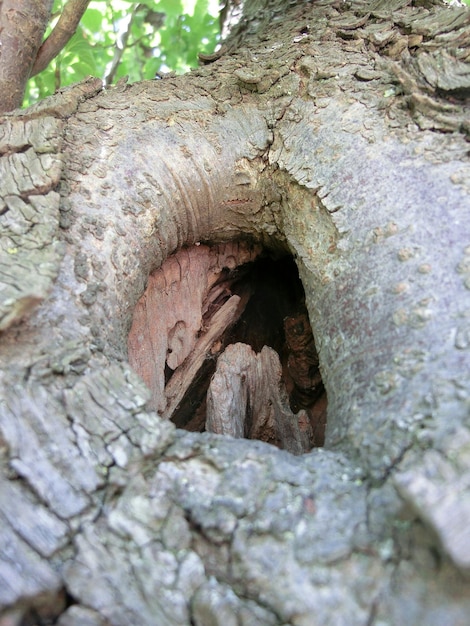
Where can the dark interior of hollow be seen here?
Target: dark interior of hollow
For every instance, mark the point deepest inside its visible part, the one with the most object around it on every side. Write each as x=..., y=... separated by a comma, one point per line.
x=276, y=307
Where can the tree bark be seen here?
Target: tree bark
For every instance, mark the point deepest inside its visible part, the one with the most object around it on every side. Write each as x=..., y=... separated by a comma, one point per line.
x=22, y=27
x=337, y=132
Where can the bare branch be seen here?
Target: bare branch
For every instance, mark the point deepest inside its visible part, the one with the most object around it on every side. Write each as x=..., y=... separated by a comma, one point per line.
x=121, y=43
x=61, y=34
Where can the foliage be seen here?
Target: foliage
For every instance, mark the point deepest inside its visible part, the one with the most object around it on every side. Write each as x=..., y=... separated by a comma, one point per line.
x=116, y=38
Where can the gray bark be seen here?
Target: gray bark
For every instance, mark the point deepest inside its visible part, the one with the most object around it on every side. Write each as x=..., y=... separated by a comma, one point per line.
x=340, y=134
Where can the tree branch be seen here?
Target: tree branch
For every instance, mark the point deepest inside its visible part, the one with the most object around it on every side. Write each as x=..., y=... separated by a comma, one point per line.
x=121, y=43
x=61, y=34
x=22, y=27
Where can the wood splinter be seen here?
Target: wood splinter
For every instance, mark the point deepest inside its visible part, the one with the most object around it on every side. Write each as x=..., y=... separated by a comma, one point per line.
x=247, y=398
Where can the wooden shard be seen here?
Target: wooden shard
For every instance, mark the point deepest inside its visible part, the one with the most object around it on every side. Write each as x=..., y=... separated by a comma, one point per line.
x=246, y=398
x=181, y=305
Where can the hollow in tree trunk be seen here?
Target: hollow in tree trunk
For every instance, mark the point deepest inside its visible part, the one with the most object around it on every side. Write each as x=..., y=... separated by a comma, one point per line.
x=332, y=134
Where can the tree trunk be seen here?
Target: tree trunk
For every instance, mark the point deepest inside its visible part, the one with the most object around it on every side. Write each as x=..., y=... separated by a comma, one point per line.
x=333, y=132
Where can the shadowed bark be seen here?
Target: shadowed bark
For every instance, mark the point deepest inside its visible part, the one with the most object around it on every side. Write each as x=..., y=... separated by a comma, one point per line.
x=330, y=131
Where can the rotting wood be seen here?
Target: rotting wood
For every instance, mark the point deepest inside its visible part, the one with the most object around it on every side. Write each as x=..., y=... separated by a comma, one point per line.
x=173, y=318
x=207, y=344
x=247, y=398
x=193, y=310
x=302, y=362
x=307, y=392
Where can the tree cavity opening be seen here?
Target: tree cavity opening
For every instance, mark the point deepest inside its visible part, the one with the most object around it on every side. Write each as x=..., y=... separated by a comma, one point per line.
x=222, y=339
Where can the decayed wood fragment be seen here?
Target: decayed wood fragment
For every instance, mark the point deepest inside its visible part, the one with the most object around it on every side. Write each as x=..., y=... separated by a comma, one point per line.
x=181, y=314
x=183, y=323
x=303, y=379
x=184, y=375
x=302, y=362
x=246, y=398
x=306, y=389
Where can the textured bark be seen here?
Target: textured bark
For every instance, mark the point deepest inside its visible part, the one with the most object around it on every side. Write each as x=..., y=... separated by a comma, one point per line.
x=335, y=132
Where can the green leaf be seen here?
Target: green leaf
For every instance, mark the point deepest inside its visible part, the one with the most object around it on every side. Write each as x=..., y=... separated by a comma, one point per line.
x=172, y=43
x=92, y=20
x=57, y=6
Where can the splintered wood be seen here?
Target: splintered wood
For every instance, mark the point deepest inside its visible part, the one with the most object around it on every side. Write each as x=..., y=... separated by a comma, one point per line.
x=246, y=398
x=183, y=343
